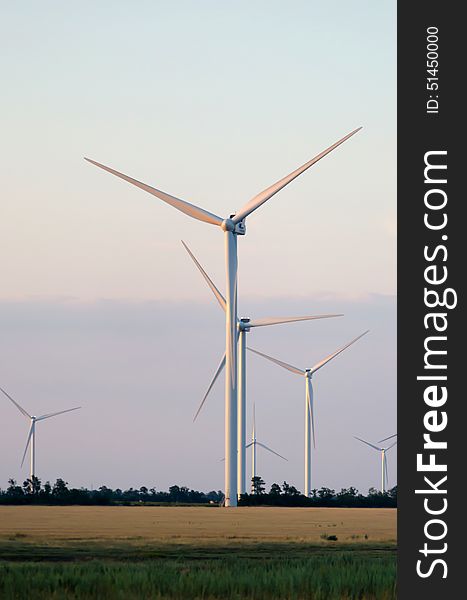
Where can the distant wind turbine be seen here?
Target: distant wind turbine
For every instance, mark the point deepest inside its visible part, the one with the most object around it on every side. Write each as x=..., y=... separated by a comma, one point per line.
x=31, y=439
x=253, y=444
x=309, y=409
x=244, y=324
x=384, y=462
x=232, y=226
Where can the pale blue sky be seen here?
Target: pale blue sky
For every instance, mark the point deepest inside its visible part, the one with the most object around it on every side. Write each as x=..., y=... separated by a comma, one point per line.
x=211, y=102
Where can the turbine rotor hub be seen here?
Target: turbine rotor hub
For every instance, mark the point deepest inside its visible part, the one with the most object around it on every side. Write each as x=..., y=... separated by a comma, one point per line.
x=228, y=225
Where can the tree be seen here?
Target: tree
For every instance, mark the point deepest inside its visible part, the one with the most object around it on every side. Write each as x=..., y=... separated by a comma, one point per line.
x=60, y=489
x=326, y=493
x=47, y=489
x=14, y=490
x=32, y=486
x=257, y=485
x=290, y=490
x=275, y=490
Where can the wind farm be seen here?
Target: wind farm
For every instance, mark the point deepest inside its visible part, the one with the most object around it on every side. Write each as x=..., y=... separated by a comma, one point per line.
x=241, y=519
x=198, y=302
x=236, y=331
x=244, y=325
x=232, y=226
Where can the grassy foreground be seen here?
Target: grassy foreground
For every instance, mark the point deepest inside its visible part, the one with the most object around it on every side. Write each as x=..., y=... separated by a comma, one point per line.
x=197, y=557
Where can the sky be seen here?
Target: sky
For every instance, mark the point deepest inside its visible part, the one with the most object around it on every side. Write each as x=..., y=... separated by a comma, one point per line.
x=100, y=305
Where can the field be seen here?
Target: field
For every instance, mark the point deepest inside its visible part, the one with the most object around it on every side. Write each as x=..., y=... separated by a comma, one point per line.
x=196, y=552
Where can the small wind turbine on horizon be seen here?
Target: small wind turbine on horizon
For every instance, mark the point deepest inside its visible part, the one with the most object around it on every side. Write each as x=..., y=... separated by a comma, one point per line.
x=31, y=439
x=254, y=442
x=309, y=408
x=244, y=325
x=384, y=462
x=232, y=226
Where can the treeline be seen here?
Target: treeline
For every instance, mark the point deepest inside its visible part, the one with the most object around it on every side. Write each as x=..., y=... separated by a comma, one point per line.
x=34, y=492
x=288, y=495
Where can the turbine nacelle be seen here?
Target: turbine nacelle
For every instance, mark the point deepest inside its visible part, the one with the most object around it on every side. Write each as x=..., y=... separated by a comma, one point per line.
x=243, y=324
x=240, y=227
x=230, y=225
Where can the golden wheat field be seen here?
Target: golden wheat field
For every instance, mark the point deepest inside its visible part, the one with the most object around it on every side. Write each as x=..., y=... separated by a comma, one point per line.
x=196, y=524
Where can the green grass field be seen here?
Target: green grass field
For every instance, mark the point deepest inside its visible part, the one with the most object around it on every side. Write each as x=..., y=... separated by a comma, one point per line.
x=82, y=553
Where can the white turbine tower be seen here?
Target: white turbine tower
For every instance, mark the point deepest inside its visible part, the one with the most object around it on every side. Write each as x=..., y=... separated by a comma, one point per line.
x=31, y=439
x=309, y=409
x=254, y=442
x=384, y=462
x=244, y=325
x=232, y=226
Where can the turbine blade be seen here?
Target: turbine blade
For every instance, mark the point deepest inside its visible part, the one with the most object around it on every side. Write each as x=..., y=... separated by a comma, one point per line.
x=279, y=320
x=270, y=450
x=387, y=438
x=285, y=365
x=253, y=436
x=309, y=397
x=220, y=298
x=391, y=446
x=20, y=408
x=216, y=375
x=336, y=353
x=250, y=444
x=266, y=194
x=60, y=412
x=185, y=207
x=368, y=443
x=31, y=429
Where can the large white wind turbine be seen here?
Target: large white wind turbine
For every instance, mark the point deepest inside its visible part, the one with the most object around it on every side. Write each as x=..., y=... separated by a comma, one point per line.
x=384, y=462
x=309, y=409
x=232, y=226
x=31, y=439
x=253, y=444
x=244, y=325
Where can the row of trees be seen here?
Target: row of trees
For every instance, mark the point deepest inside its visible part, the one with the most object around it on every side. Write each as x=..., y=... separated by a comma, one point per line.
x=288, y=495
x=33, y=492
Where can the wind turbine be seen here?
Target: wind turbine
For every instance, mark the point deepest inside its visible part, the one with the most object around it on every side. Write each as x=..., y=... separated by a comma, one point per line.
x=384, y=462
x=309, y=410
x=254, y=442
x=232, y=226
x=244, y=325
x=31, y=439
